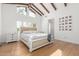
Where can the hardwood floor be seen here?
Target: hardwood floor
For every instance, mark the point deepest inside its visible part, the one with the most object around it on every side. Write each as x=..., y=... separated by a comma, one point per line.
x=58, y=48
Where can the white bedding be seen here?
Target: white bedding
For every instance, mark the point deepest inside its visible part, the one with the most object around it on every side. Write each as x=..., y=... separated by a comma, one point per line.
x=33, y=36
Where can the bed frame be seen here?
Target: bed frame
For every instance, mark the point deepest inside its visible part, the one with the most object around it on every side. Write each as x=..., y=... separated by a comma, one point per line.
x=28, y=29
x=36, y=43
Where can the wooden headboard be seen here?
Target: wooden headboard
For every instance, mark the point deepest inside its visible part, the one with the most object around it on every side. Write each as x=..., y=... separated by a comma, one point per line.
x=28, y=29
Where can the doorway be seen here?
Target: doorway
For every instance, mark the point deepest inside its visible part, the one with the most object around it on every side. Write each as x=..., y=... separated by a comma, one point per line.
x=51, y=28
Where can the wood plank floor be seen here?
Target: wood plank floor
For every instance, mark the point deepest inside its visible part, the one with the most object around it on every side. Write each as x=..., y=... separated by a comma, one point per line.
x=58, y=48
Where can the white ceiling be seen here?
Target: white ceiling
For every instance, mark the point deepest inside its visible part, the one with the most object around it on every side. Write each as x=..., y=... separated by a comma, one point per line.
x=49, y=7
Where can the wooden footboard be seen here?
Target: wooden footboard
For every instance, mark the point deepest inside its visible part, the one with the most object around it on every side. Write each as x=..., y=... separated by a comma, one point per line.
x=36, y=44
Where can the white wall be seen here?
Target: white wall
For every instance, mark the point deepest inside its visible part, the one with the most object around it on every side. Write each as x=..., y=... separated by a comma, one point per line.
x=8, y=20
x=73, y=36
x=45, y=25
x=70, y=10
x=0, y=23
x=39, y=23
x=0, y=19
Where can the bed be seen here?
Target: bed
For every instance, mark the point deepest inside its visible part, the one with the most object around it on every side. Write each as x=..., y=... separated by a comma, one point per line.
x=34, y=40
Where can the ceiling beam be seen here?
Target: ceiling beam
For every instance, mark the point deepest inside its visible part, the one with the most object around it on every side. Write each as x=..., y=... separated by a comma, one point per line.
x=37, y=9
x=65, y=4
x=29, y=5
x=53, y=6
x=32, y=10
x=44, y=7
x=17, y=3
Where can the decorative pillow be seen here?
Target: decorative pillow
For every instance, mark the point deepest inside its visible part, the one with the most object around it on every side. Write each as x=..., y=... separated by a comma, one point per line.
x=29, y=32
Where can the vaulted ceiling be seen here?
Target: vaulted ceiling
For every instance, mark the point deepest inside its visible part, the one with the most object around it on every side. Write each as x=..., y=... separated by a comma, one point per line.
x=42, y=8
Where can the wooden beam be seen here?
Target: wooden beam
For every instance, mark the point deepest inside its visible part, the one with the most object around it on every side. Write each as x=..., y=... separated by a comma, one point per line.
x=44, y=7
x=37, y=9
x=65, y=4
x=29, y=5
x=32, y=10
x=53, y=6
x=17, y=3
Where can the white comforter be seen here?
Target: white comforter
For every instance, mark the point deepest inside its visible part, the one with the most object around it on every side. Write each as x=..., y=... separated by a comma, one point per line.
x=33, y=36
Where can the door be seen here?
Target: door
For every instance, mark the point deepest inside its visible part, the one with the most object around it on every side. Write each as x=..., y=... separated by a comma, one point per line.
x=51, y=28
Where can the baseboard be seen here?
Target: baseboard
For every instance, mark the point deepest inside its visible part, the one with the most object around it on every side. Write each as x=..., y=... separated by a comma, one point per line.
x=68, y=41
x=1, y=43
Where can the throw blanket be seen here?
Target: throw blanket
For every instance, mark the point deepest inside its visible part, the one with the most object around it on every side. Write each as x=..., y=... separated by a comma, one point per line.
x=49, y=37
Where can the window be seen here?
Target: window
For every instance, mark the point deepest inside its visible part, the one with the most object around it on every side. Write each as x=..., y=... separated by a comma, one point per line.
x=24, y=24
x=21, y=10
x=31, y=14
x=27, y=24
x=19, y=24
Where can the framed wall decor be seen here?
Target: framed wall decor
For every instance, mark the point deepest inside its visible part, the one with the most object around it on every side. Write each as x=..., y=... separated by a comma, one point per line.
x=70, y=16
x=70, y=19
x=66, y=17
x=65, y=23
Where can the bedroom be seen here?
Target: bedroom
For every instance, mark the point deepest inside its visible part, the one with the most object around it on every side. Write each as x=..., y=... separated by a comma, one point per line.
x=36, y=21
